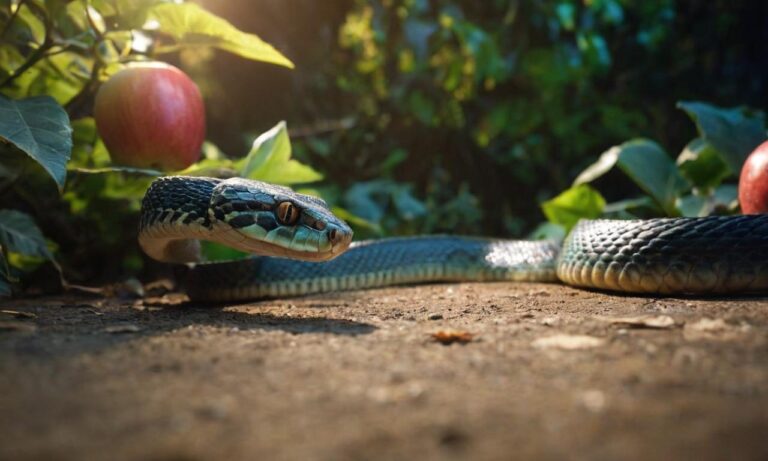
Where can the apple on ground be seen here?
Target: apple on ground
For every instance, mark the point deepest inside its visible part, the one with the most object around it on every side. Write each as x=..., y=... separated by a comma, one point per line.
x=151, y=115
x=753, y=182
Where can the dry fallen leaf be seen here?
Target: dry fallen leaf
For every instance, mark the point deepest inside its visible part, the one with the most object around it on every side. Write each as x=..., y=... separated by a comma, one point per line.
x=660, y=321
x=452, y=336
x=568, y=342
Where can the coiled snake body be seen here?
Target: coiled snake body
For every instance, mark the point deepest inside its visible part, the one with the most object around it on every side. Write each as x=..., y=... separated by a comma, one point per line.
x=711, y=255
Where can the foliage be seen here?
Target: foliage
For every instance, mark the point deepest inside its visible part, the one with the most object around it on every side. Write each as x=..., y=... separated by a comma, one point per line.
x=491, y=94
x=18, y=234
x=500, y=102
x=690, y=186
x=54, y=56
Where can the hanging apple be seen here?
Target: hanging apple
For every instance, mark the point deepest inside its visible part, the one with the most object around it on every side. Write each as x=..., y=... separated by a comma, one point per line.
x=151, y=115
x=753, y=182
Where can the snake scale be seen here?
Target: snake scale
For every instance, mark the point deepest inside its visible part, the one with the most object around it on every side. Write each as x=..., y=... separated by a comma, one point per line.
x=708, y=255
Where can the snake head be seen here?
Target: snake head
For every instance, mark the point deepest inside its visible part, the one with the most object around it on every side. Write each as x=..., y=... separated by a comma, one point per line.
x=272, y=220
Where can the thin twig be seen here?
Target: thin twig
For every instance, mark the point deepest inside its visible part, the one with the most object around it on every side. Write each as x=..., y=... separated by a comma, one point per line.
x=13, y=16
x=38, y=54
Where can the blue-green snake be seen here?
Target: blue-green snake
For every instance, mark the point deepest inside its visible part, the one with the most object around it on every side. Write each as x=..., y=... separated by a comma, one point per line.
x=304, y=248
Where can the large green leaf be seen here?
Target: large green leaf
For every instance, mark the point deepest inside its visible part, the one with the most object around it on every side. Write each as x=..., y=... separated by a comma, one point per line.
x=646, y=163
x=39, y=126
x=548, y=231
x=191, y=25
x=270, y=160
x=734, y=132
x=578, y=202
x=702, y=164
x=653, y=171
x=20, y=234
x=603, y=165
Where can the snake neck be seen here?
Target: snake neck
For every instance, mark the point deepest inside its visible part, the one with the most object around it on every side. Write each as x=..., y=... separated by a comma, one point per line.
x=173, y=204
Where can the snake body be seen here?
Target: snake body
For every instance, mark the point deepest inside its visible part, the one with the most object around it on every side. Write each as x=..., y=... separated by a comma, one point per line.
x=709, y=255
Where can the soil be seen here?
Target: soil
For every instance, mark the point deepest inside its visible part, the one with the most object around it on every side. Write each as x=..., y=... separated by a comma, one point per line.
x=534, y=371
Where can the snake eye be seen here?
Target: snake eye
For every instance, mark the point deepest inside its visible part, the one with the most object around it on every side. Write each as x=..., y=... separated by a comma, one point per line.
x=287, y=213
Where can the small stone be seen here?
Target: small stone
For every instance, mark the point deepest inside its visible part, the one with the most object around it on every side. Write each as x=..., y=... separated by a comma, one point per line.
x=658, y=322
x=549, y=321
x=593, y=400
x=434, y=316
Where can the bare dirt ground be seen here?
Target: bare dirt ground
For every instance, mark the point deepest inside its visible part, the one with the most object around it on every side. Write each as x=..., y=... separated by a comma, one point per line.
x=546, y=372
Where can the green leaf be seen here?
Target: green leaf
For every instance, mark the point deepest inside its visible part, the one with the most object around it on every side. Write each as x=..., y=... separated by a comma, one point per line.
x=578, y=202
x=191, y=25
x=217, y=168
x=734, y=132
x=356, y=221
x=34, y=23
x=632, y=208
x=20, y=234
x=646, y=163
x=727, y=195
x=40, y=127
x=692, y=206
x=368, y=200
x=603, y=165
x=548, y=231
x=270, y=160
x=702, y=164
x=408, y=206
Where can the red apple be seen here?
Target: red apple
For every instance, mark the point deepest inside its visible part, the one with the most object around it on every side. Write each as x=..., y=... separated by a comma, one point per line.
x=753, y=182
x=151, y=115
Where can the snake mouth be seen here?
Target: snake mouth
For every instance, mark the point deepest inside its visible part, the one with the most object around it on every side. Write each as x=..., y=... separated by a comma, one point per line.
x=323, y=247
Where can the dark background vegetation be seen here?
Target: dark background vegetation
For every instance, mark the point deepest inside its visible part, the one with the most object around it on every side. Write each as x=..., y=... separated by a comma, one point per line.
x=499, y=101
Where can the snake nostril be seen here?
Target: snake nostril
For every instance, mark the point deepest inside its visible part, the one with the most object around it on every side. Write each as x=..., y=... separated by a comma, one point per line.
x=333, y=235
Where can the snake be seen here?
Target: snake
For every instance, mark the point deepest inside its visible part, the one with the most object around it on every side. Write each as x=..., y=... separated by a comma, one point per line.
x=301, y=247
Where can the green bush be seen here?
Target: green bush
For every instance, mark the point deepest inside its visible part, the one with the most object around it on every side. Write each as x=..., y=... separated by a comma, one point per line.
x=691, y=186
x=55, y=174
